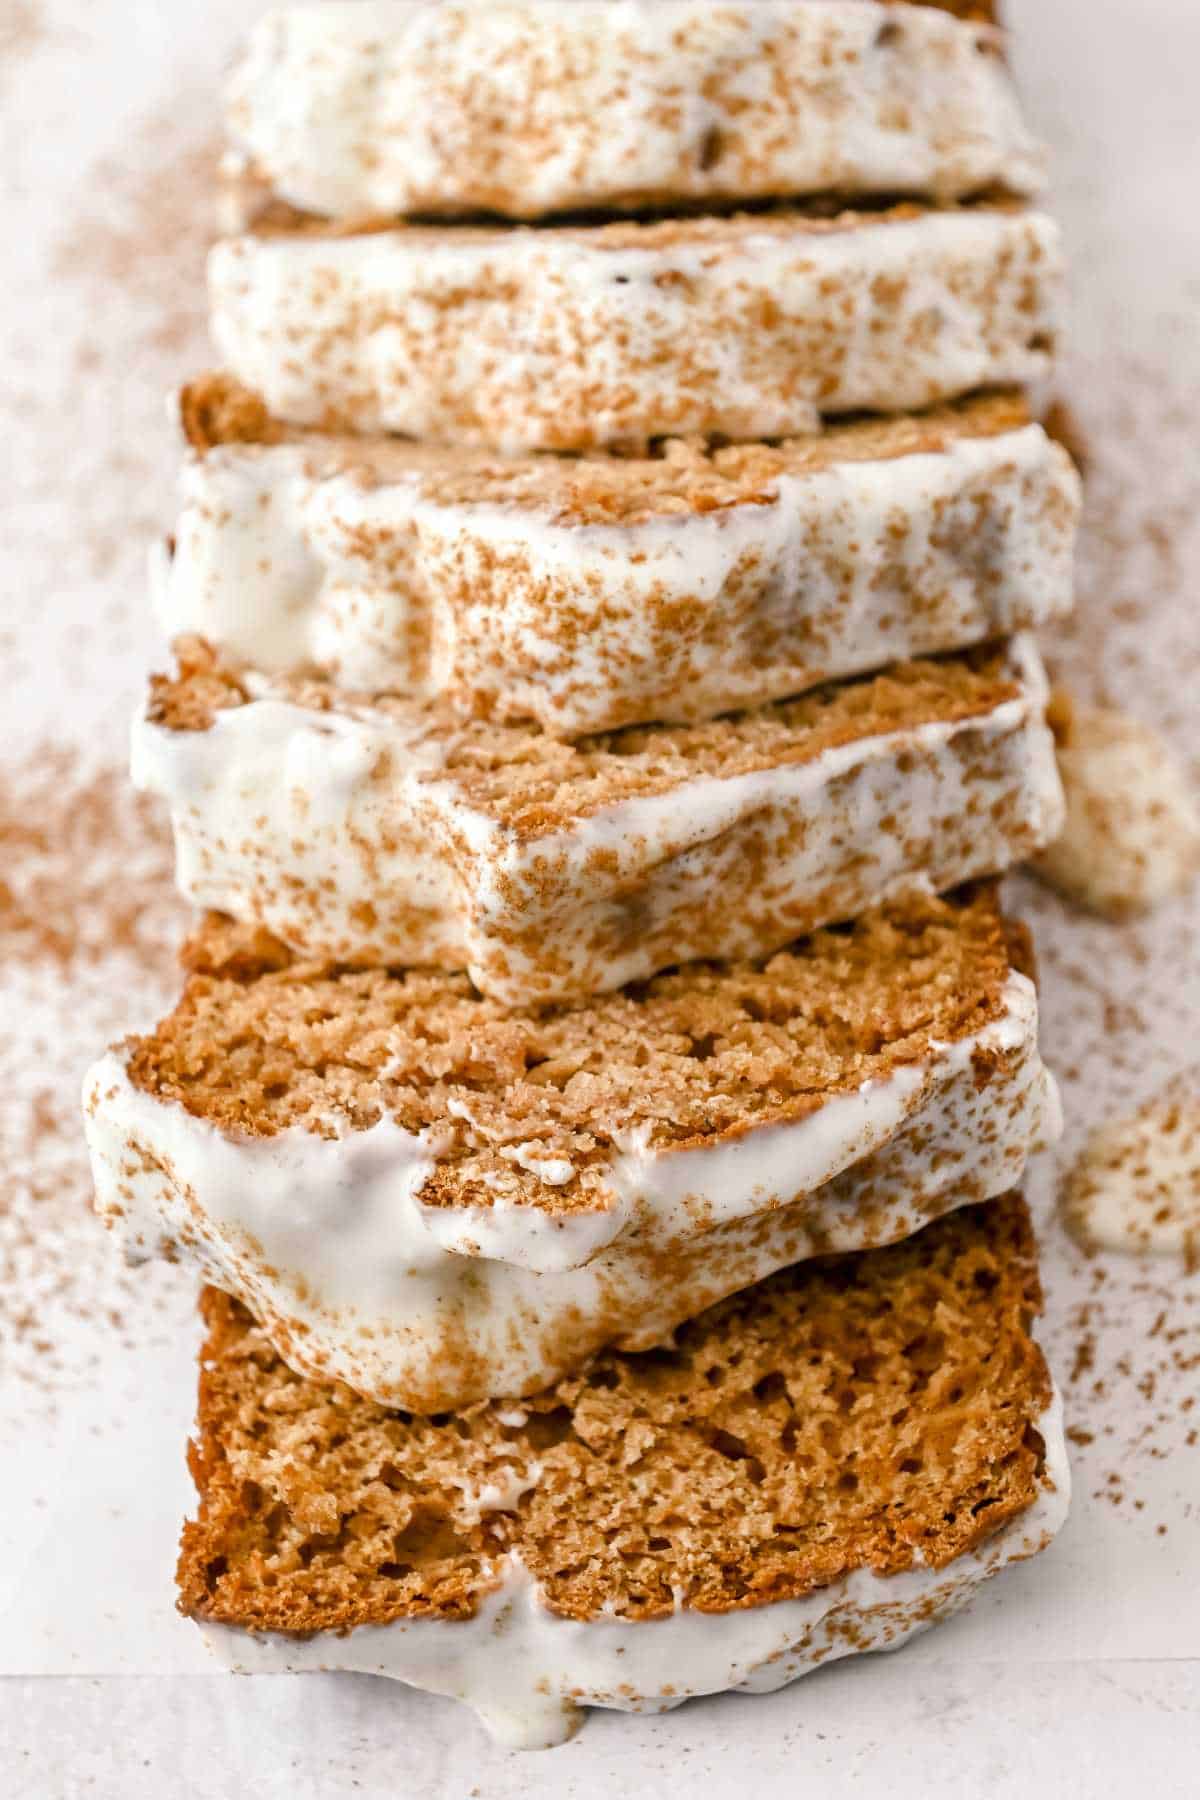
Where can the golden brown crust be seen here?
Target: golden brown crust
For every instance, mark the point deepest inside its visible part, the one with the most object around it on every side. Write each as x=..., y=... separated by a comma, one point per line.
x=855, y=1412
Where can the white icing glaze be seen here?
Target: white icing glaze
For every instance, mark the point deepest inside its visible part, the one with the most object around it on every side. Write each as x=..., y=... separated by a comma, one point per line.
x=526, y=1671
x=1131, y=840
x=328, y=1242
x=531, y=108
x=285, y=562
x=1136, y=1187
x=340, y=832
x=560, y=339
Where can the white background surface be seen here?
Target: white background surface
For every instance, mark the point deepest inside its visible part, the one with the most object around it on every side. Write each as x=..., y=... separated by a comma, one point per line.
x=1076, y=1676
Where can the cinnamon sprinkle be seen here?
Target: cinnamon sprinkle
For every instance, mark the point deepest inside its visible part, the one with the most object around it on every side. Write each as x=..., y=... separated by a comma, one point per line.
x=88, y=927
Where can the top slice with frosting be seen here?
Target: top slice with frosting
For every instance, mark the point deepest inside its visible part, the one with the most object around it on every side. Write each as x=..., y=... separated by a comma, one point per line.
x=530, y=107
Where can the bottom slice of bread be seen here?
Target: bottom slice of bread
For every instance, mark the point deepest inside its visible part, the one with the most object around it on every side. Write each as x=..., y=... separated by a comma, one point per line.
x=827, y=1462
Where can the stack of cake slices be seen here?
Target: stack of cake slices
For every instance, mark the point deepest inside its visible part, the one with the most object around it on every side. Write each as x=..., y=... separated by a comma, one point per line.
x=605, y=698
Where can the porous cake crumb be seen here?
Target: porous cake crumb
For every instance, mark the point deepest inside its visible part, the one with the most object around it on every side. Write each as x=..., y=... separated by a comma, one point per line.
x=262, y=1040
x=865, y=1412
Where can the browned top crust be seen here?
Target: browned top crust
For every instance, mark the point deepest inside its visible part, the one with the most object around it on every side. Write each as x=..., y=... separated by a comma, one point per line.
x=856, y=1412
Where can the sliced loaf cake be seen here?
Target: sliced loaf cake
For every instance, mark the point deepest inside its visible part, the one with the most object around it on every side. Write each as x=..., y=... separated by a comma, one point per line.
x=827, y=1463
x=573, y=336
x=372, y=829
x=531, y=107
x=595, y=592
x=435, y=1199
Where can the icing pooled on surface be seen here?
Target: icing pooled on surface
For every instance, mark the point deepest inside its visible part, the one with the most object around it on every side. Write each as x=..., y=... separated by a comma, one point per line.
x=527, y=1671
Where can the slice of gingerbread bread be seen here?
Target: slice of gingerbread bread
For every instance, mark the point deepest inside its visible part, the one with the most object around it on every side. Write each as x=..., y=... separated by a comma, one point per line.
x=435, y=1199
x=529, y=107
x=587, y=593
x=577, y=336
x=369, y=828
x=827, y=1463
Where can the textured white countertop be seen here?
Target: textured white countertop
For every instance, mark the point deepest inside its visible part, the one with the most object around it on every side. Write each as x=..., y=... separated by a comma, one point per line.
x=1078, y=1675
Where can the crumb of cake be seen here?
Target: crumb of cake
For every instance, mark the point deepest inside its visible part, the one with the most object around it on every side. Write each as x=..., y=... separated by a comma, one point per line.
x=216, y=409
x=705, y=1050
x=862, y=1412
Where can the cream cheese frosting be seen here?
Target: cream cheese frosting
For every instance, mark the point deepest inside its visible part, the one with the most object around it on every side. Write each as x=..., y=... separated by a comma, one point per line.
x=348, y=833
x=565, y=338
x=296, y=556
x=526, y=1671
x=329, y=1243
x=1131, y=839
x=536, y=107
x=1136, y=1186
